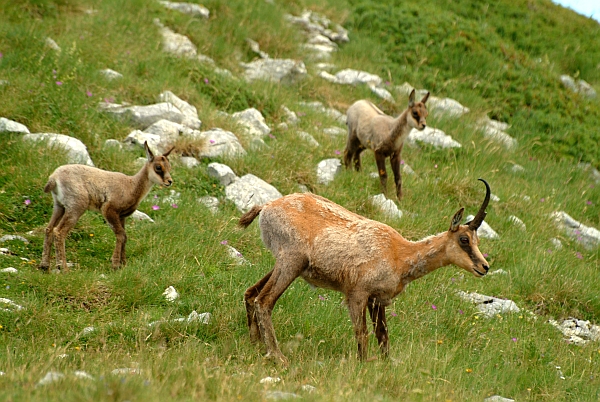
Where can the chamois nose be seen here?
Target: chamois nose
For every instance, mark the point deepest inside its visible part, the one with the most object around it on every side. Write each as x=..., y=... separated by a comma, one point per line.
x=486, y=267
x=169, y=182
x=424, y=125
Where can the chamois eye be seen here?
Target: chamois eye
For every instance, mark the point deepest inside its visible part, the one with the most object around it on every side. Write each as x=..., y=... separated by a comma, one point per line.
x=416, y=116
x=158, y=168
x=464, y=240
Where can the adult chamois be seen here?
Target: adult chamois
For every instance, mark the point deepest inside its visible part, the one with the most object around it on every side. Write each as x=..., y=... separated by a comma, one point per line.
x=369, y=127
x=78, y=188
x=331, y=247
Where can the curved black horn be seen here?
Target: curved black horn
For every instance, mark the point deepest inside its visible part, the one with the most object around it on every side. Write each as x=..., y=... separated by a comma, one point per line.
x=476, y=222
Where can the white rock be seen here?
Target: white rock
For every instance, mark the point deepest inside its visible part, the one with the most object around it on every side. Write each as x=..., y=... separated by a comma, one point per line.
x=4, y=251
x=189, y=162
x=258, y=144
x=556, y=243
x=212, y=203
x=356, y=77
x=485, y=231
x=274, y=70
x=335, y=132
x=489, y=305
x=498, y=398
x=331, y=112
x=499, y=136
x=112, y=143
x=314, y=23
x=497, y=272
x=87, y=330
x=255, y=47
x=253, y=121
x=517, y=168
x=290, y=117
x=280, y=395
x=308, y=138
x=432, y=136
x=382, y=93
x=388, y=207
x=13, y=237
x=249, y=191
x=203, y=318
x=10, y=126
x=111, y=74
x=83, y=375
x=589, y=237
x=270, y=380
x=76, y=150
x=50, y=377
x=140, y=216
x=187, y=8
x=138, y=138
x=221, y=172
x=579, y=86
x=143, y=116
x=9, y=305
x=517, y=222
x=9, y=270
x=218, y=142
x=52, y=45
x=236, y=255
x=308, y=388
x=578, y=331
x=446, y=107
x=404, y=89
x=202, y=58
x=595, y=174
x=327, y=169
x=190, y=112
x=494, y=197
x=176, y=44
x=170, y=294
x=168, y=132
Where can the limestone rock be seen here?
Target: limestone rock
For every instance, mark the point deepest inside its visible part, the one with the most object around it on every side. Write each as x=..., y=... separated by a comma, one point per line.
x=190, y=112
x=9, y=270
x=308, y=138
x=112, y=143
x=494, y=130
x=50, y=377
x=176, y=44
x=331, y=112
x=236, y=255
x=577, y=331
x=187, y=8
x=354, y=77
x=432, y=136
x=327, y=170
x=52, y=45
x=189, y=162
x=382, y=93
x=314, y=23
x=274, y=70
x=13, y=237
x=210, y=202
x=249, y=191
x=218, y=142
x=110, y=74
x=498, y=398
x=140, y=216
x=335, y=132
x=485, y=231
x=76, y=150
x=9, y=306
x=589, y=237
x=10, y=126
x=253, y=121
x=290, y=117
x=388, y=207
x=446, y=107
x=138, y=138
x=579, y=86
x=170, y=294
x=255, y=47
x=221, y=172
x=142, y=117
x=489, y=305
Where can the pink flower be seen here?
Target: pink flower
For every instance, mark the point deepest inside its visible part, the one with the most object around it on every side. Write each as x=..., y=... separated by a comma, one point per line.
x=542, y=199
x=271, y=136
x=212, y=141
x=402, y=161
x=579, y=255
x=155, y=196
x=433, y=307
x=59, y=83
x=27, y=201
x=89, y=93
x=485, y=255
x=155, y=207
x=588, y=202
x=223, y=242
x=514, y=339
x=321, y=298
x=174, y=205
x=1, y=55
x=393, y=314
x=206, y=80
x=550, y=251
x=337, y=152
x=460, y=312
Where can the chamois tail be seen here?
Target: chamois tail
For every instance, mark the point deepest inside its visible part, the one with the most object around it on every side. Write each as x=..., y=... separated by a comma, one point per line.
x=249, y=216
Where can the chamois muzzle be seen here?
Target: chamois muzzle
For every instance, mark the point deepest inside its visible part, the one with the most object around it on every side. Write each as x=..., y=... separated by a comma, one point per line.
x=476, y=222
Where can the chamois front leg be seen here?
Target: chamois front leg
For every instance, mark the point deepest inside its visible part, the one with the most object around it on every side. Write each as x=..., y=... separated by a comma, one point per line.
x=288, y=267
x=380, y=160
x=377, y=313
x=123, y=255
x=114, y=221
x=395, y=161
x=249, y=298
x=61, y=231
x=357, y=305
x=57, y=215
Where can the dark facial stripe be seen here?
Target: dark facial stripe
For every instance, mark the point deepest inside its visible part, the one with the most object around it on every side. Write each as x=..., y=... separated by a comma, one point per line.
x=467, y=248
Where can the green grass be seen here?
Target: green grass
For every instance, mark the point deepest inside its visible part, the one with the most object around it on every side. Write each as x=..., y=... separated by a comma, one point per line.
x=500, y=59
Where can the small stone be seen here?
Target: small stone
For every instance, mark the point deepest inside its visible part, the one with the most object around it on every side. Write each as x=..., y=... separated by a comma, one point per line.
x=52, y=45
x=87, y=330
x=10, y=126
x=110, y=74
x=432, y=136
x=187, y=8
x=13, y=237
x=170, y=294
x=308, y=138
x=279, y=395
x=82, y=375
x=335, y=132
x=485, y=231
x=111, y=143
x=236, y=255
x=270, y=380
x=9, y=270
x=50, y=377
x=327, y=170
x=189, y=162
x=212, y=203
x=221, y=172
x=140, y=216
x=556, y=243
x=517, y=168
x=129, y=370
x=386, y=206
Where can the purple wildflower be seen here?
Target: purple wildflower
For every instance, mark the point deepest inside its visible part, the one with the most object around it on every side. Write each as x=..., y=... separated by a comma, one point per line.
x=223, y=242
x=206, y=80
x=212, y=141
x=59, y=83
x=485, y=255
x=321, y=298
x=337, y=152
x=155, y=207
x=27, y=201
x=579, y=255
x=542, y=199
x=460, y=312
x=588, y=202
x=433, y=306
x=393, y=314
x=514, y=339
x=89, y=93
x=174, y=205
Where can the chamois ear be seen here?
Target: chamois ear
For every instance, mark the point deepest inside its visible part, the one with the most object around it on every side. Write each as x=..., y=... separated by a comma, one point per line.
x=168, y=152
x=149, y=153
x=425, y=98
x=411, y=99
x=456, y=220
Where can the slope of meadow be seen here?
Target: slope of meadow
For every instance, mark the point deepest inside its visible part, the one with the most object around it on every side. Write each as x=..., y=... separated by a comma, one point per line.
x=502, y=60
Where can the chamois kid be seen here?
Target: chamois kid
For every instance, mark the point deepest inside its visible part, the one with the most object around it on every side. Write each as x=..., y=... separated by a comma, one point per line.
x=333, y=248
x=369, y=127
x=78, y=188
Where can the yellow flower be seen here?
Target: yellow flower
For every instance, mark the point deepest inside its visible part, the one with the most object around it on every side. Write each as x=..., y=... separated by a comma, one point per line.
x=469, y=370
x=91, y=235
x=439, y=342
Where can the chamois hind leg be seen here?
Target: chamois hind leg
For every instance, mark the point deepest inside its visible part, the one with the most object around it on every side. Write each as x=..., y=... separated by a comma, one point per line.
x=380, y=160
x=352, y=146
x=57, y=215
x=123, y=255
x=114, y=221
x=61, y=231
x=356, y=157
x=249, y=297
x=287, y=268
x=377, y=313
x=395, y=162
x=357, y=305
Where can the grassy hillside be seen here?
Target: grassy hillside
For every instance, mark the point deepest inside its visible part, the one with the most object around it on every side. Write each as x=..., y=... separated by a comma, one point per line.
x=500, y=59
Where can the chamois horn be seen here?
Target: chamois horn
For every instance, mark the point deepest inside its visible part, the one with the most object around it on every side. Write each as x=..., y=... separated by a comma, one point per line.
x=476, y=222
